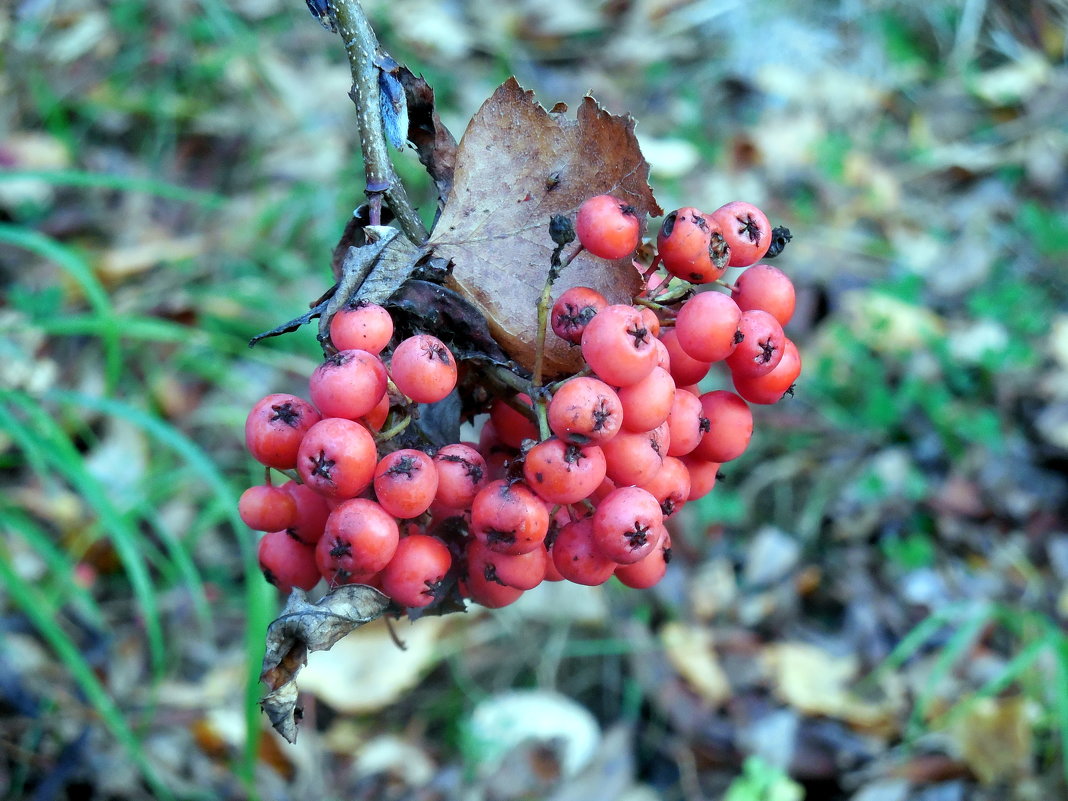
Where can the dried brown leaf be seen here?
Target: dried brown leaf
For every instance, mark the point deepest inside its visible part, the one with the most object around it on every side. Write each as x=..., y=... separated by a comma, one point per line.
x=304, y=627
x=518, y=165
x=434, y=143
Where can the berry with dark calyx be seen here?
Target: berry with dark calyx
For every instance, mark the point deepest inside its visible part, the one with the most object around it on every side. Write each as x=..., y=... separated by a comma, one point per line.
x=348, y=384
x=461, y=474
x=523, y=571
x=267, y=508
x=730, y=427
x=773, y=386
x=761, y=347
x=312, y=512
x=423, y=368
x=746, y=229
x=490, y=594
x=618, y=346
x=275, y=426
x=627, y=524
x=414, y=576
x=406, y=482
x=691, y=246
x=650, y=569
x=766, y=288
x=360, y=540
x=608, y=227
x=707, y=326
x=577, y=558
x=287, y=563
x=508, y=517
x=585, y=408
x=670, y=486
x=634, y=457
x=563, y=472
x=573, y=310
x=686, y=422
x=337, y=458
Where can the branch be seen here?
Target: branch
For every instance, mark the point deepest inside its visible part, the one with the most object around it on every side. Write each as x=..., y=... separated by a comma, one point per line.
x=361, y=46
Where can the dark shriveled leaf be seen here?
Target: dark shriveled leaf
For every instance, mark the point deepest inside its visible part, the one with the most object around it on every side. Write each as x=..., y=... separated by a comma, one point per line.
x=304, y=627
x=516, y=167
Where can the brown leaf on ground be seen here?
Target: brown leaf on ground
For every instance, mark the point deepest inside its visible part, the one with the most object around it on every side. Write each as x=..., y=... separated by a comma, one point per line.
x=304, y=627
x=518, y=165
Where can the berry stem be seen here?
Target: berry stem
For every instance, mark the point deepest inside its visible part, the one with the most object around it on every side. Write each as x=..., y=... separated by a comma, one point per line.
x=544, y=306
x=389, y=433
x=361, y=46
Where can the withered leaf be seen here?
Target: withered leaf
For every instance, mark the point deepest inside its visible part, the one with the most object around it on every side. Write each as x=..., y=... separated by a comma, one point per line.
x=433, y=142
x=518, y=165
x=303, y=627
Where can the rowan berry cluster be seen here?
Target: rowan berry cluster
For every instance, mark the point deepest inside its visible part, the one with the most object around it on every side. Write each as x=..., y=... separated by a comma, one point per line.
x=569, y=481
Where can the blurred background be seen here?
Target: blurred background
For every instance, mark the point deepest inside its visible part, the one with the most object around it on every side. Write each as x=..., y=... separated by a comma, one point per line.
x=870, y=605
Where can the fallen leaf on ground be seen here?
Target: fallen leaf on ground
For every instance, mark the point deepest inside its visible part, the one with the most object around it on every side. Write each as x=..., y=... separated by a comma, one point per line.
x=303, y=627
x=691, y=650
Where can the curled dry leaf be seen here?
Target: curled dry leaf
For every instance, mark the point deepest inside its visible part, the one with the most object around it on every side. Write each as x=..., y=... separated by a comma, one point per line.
x=517, y=165
x=433, y=142
x=303, y=627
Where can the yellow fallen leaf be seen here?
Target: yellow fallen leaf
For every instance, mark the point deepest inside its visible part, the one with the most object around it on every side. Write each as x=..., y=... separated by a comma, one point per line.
x=690, y=649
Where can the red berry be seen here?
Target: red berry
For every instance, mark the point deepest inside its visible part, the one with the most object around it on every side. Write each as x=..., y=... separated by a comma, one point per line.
x=563, y=472
x=275, y=427
x=608, y=227
x=406, y=482
x=461, y=474
x=648, y=570
x=509, y=517
x=312, y=511
x=349, y=384
x=510, y=425
x=703, y=475
x=337, y=458
x=670, y=486
x=618, y=346
x=761, y=345
x=367, y=326
x=707, y=326
x=489, y=594
x=287, y=563
x=360, y=540
x=768, y=288
x=691, y=246
x=577, y=558
x=771, y=387
x=267, y=508
x=573, y=310
x=746, y=229
x=423, y=368
x=524, y=571
x=634, y=457
x=686, y=422
x=414, y=576
x=585, y=408
x=730, y=427
x=627, y=524
x=647, y=403
x=684, y=368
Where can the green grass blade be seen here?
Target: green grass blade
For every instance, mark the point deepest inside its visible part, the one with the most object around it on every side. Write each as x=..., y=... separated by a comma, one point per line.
x=122, y=183
x=953, y=651
x=259, y=596
x=34, y=606
x=59, y=564
x=79, y=270
x=48, y=445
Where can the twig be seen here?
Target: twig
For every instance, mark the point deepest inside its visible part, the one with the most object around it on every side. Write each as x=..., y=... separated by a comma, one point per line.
x=361, y=46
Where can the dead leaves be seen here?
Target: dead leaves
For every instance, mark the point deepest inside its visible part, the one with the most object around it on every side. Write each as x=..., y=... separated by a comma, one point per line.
x=517, y=165
x=303, y=627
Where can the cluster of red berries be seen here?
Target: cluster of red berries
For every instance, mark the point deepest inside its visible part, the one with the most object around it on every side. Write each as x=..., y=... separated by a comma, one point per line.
x=632, y=437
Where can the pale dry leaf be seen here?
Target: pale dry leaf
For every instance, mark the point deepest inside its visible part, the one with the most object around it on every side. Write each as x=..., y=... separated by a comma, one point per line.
x=691, y=650
x=366, y=671
x=817, y=682
x=304, y=627
x=517, y=166
x=995, y=738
